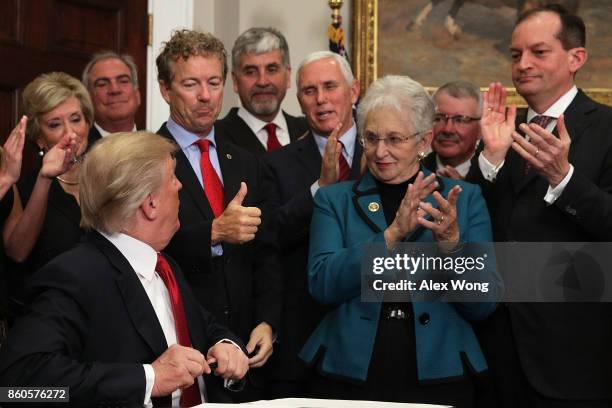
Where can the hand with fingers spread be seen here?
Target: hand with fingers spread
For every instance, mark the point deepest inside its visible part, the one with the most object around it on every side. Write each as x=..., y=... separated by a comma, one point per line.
x=12, y=153
x=60, y=158
x=231, y=361
x=547, y=154
x=406, y=219
x=237, y=224
x=260, y=340
x=330, y=170
x=177, y=368
x=496, y=124
x=443, y=223
x=450, y=172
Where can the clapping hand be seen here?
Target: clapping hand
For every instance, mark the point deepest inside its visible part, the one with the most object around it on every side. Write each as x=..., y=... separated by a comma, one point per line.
x=407, y=217
x=496, y=124
x=547, y=154
x=13, y=153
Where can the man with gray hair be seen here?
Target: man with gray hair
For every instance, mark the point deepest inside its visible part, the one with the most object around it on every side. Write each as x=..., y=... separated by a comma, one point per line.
x=112, y=82
x=327, y=154
x=456, y=129
x=261, y=73
x=113, y=319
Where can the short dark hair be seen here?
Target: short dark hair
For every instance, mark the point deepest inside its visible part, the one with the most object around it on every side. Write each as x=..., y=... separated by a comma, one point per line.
x=572, y=33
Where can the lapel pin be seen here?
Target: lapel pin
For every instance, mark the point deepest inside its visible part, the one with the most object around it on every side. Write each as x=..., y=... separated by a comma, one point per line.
x=229, y=156
x=373, y=207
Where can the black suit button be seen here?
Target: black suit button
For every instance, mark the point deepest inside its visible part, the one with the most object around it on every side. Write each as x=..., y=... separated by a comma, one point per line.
x=227, y=261
x=424, y=319
x=226, y=311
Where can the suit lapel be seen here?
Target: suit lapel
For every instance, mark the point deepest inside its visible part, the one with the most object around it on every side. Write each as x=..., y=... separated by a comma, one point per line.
x=308, y=155
x=242, y=135
x=229, y=169
x=368, y=204
x=136, y=301
x=356, y=165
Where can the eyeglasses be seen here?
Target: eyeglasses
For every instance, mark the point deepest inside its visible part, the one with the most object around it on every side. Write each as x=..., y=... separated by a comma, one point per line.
x=458, y=120
x=370, y=140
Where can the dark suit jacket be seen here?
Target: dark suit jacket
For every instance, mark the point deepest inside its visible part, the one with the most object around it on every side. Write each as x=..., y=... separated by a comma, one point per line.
x=92, y=326
x=563, y=348
x=290, y=172
x=243, y=287
x=93, y=136
x=238, y=132
x=429, y=162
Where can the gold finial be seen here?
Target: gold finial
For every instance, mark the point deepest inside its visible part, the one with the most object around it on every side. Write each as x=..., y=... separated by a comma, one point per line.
x=335, y=5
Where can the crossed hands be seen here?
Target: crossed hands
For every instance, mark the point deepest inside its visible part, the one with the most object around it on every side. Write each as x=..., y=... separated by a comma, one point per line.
x=413, y=210
x=179, y=366
x=237, y=224
x=547, y=154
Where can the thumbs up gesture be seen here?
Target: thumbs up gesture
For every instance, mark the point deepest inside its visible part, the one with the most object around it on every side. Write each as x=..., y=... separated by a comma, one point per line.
x=237, y=224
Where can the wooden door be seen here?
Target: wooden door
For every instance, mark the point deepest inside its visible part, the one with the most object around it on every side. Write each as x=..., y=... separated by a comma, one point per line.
x=38, y=36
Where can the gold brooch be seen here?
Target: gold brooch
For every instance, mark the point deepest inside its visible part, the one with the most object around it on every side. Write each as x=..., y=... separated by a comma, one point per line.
x=373, y=207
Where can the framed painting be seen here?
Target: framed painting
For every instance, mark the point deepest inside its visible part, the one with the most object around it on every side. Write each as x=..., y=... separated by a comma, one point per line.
x=436, y=41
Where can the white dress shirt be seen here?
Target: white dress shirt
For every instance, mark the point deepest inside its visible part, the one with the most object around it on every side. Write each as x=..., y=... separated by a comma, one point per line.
x=257, y=126
x=489, y=171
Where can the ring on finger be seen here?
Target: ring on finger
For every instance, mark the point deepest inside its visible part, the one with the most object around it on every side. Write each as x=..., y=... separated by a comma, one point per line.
x=440, y=220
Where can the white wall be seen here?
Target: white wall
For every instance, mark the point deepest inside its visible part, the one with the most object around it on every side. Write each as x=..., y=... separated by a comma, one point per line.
x=304, y=24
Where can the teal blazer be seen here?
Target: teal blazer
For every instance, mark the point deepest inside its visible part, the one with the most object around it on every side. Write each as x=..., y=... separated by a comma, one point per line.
x=341, y=225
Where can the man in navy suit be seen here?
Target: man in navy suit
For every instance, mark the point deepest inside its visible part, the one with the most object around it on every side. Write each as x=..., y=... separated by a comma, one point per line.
x=261, y=73
x=553, y=186
x=224, y=244
x=108, y=321
x=327, y=91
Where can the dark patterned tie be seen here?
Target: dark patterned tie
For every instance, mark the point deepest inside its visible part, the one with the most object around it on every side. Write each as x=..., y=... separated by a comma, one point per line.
x=273, y=143
x=191, y=394
x=343, y=166
x=542, y=121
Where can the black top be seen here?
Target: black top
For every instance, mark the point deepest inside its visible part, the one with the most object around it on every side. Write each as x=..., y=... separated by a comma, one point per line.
x=60, y=230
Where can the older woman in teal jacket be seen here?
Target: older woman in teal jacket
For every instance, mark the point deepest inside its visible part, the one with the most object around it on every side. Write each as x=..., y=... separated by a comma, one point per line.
x=421, y=351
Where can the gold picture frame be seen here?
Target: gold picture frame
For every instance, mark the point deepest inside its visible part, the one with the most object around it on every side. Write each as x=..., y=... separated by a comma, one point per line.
x=365, y=54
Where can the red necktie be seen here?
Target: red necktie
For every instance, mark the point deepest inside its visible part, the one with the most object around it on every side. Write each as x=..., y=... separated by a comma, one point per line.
x=345, y=169
x=212, y=184
x=191, y=394
x=273, y=143
x=542, y=121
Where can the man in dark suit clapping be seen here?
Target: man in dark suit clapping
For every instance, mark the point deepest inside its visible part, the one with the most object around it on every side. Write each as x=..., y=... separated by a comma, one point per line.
x=553, y=186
